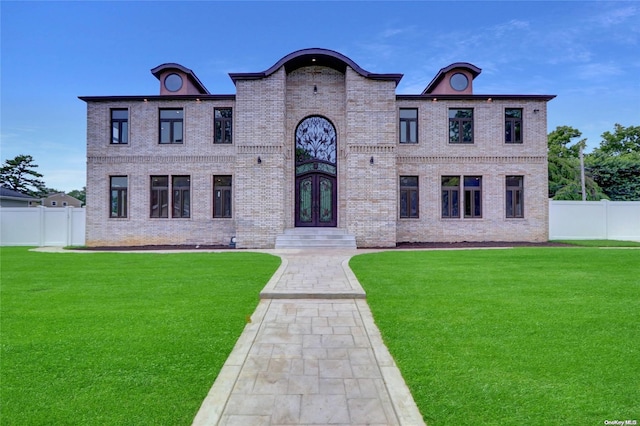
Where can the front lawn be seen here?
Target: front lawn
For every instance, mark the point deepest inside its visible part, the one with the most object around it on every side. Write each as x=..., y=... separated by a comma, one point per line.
x=531, y=336
x=113, y=338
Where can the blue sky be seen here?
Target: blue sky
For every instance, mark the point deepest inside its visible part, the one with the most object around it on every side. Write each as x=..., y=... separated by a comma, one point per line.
x=586, y=53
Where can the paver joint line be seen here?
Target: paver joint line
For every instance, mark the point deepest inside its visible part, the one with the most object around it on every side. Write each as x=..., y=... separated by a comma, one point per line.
x=312, y=354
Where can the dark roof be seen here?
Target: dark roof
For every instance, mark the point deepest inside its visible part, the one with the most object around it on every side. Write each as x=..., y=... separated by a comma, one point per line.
x=157, y=71
x=473, y=97
x=475, y=71
x=314, y=56
x=10, y=193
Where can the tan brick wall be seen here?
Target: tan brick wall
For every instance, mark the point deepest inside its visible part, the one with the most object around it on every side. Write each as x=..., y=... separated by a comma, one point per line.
x=365, y=115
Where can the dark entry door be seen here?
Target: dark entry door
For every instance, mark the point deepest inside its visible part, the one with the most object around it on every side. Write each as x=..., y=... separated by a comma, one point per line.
x=316, y=199
x=316, y=173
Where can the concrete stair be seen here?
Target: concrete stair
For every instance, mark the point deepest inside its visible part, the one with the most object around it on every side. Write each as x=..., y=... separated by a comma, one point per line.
x=298, y=238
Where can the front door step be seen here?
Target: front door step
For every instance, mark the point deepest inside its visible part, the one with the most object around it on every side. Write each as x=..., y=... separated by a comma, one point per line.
x=315, y=238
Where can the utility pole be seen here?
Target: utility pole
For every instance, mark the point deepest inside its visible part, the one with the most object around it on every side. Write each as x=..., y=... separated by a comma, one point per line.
x=584, y=191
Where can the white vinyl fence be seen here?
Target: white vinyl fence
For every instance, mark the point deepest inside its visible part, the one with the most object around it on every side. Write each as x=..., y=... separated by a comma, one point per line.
x=42, y=226
x=568, y=220
x=594, y=220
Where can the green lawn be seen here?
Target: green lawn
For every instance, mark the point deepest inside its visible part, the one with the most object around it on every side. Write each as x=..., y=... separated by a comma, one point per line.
x=115, y=339
x=533, y=336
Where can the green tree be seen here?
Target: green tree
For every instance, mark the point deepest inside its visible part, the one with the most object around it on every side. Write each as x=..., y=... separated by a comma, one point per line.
x=19, y=174
x=80, y=194
x=615, y=164
x=564, y=167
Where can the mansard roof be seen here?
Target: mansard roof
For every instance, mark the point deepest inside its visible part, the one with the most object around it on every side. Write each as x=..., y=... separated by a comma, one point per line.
x=317, y=57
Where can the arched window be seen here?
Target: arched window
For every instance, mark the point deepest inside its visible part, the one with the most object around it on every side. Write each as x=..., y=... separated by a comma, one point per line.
x=315, y=140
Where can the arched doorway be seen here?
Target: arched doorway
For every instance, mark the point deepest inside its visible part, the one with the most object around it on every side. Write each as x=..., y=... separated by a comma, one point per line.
x=316, y=173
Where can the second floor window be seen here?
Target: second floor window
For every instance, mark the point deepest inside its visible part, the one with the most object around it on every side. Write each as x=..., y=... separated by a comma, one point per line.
x=461, y=125
x=119, y=126
x=408, y=125
x=171, y=125
x=222, y=122
x=513, y=125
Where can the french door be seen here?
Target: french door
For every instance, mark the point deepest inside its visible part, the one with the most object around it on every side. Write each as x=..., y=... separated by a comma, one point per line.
x=316, y=200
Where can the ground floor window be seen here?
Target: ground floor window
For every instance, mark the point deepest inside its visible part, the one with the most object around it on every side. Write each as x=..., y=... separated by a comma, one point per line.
x=514, y=196
x=180, y=200
x=118, y=196
x=450, y=196
x=222, y=196
x=159, y=196
x=409, y=196
x=472, y=196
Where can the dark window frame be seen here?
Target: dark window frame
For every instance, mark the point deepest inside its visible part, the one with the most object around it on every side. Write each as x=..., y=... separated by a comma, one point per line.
x=225, y=125
x=472, y=197
x=409, y=206
x=405, y=125
x=222, y=196
x=118, y=198
x=180, y=197
x=513, y=126
x=450, y=194
x=514, y=197
x=460, y=127
x=119, y=125
x=172, y=124
x=159, y=197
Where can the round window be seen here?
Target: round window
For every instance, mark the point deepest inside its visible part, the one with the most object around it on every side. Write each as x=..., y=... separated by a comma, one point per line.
x=173, y=82
x=459, y=82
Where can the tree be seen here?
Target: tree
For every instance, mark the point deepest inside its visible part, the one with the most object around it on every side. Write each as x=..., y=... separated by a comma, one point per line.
x=19, y=174
x=564, y=167
x=80, y=194
x=615, y=164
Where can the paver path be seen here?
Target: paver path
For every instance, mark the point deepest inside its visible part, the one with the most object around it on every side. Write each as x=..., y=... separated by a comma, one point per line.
x=312, y=354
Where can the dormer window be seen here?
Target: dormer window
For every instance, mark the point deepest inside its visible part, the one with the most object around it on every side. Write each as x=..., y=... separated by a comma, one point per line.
x=173, y=82
x=459, y=82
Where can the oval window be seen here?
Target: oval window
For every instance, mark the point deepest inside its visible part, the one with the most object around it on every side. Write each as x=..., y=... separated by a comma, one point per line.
x=459, y=82
x=173, y=82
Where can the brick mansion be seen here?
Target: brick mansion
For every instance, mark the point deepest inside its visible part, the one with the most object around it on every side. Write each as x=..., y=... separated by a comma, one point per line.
x=315, y=144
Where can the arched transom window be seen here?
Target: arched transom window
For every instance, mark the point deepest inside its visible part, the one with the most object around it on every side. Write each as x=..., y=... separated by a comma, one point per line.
x=315, y=140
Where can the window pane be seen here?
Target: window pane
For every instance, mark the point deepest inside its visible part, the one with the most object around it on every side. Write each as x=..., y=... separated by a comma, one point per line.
x=165, y=133
x=408, y=113
x=472, y=181
x=414, y=204
x=454, y=131
x=119, y=182
x=121, y=114
x=450, y=180
x=477, y=204
x=177, y=132
x=467, y=132
x=455, y=204
x=173, y=114
x=445, y=204
x=403, y=204
x=513, y=112
x=124, y=136
x=413, y=131
x=409, y=181
x=403, y=132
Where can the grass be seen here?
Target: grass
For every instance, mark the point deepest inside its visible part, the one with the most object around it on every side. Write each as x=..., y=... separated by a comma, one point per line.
x=600, y=243
x=531, y=336
x=112, y=338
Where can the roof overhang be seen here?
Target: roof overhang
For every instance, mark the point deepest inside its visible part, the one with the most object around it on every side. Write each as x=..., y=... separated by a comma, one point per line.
x=315, y=57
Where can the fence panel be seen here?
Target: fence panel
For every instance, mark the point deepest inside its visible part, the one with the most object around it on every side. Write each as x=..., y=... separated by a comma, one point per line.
x=42, y=226
x=594, y=220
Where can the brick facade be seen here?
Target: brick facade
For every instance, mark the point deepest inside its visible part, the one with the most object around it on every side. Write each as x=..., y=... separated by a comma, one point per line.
x=267, y=108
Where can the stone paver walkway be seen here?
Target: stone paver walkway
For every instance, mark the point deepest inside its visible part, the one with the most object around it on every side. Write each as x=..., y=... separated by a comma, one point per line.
x=312, y=354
